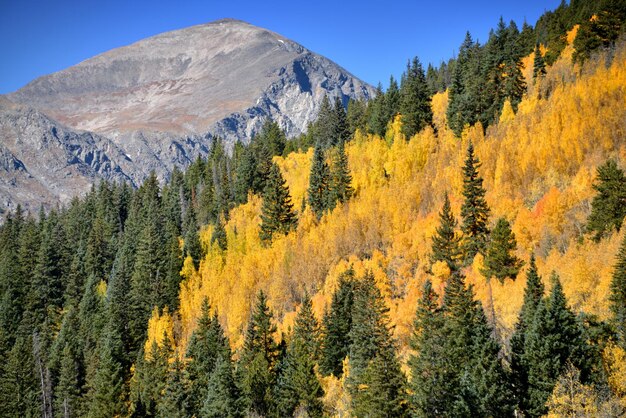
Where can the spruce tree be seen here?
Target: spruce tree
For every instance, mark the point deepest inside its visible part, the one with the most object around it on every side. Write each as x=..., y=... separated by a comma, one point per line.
x=553, y=339
x=298, y=386
x=617, y=297
x=340, y=185
x=219, y=235
x=608, y=207
x=533, y=294
x=222, y=399
x=336, y=326
x=539, y=65
x=206, y=345
x=277, y=214
x=191, y=246
x=173, y=403
x=377, y=115
x=415, y=100
x=376, y=382
x=446, y=245
x=474, y=211
x=499, y=261
x=391, y=104
x=259, y=359
x=319, y=192
x=429, y=368
x=342, y=132
x=107, y=395
x=325, y=125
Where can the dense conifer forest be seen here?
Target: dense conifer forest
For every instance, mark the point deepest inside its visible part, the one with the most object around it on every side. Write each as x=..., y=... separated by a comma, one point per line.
x=452, y=248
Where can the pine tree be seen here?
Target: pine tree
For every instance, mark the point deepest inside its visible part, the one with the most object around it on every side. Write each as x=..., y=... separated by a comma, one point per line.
x=446, y=245
x=499, y=261
x=429, y=368
x=319, y=192
x=325, y=125
x=415, y=100
x=259, y=359
x=539, y=66
x=277, y=214
x=617, y=297
x=336, y=326
x=299, y=389
x=219, y=235
x=222, y=399
x=376, y=382
x=342, y=132
x=474, y=211
x=608, y=207
x=377, y=115
x=392, y=101
x=192, y=247
x=553, y=339
x=533, y=294
x=340, y=185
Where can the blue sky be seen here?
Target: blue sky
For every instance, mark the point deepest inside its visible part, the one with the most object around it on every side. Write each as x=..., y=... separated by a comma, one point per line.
x=371, y=39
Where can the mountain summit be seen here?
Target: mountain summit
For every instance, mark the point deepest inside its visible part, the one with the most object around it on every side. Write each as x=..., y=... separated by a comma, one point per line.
x=156, y=103
x=221, y=77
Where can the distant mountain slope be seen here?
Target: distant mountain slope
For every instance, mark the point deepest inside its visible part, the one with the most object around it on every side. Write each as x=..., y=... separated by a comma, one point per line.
x=156, y=103
x=186, y=82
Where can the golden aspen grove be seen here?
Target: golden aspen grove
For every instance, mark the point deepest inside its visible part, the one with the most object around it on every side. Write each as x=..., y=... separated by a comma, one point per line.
x=452, y=247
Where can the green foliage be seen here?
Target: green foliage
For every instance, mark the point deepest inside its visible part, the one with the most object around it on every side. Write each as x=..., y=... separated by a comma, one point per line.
x=474, y=211
x=428, y=364
x=173, y=403
x=319, y=192
x=206, y=345
x=340, y=183
x=415, y=100
x=554, y=338
x=259, y=359
x=446, y=245
x=336, y=327
x=499, y=260
x=277, y=215
x=222, y=398
x=298, y=386
x=608, y=207
x=617, y=297
x=533, y=295
x=600, y=32
x=376, y=383
x=539, y=65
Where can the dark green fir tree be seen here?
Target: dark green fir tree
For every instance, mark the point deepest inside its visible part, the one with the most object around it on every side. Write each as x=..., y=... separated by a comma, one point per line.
x=415, y=100
x=277, y=215
x=319, y=192
x=446, y=244
x=499, y=258
x=608, y=207
x=617, y=297
x=474, y=211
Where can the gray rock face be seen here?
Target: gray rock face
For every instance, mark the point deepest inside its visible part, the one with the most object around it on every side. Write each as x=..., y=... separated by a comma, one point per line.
x=155, y=104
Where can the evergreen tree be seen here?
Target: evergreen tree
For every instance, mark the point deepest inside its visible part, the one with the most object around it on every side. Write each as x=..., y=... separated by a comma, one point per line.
x=608, y=207
x=356, y=115
x=446, y=245
x=428, y=365
x=376, y=383
x=474, y=211
x=245, y=175
x=553, y=339
x=415, y=100
x=206, y=345
x=340, y=185
x=342, y=131
x=274, y=137
x=617, y=297
x=219, y=235
x=107, y=395
x=539, y=65
x=173, y=404
x=222, y=399
x=67, y=391
x=319, y=192
x=277, y=214
x=325, y=125
x=391, y=104
x=259, y=359
x=533, y=294
x=336, y=326
x=298, y=386
x=192, y=247
x=377, y=114
x=19, y=388
x=499, y=261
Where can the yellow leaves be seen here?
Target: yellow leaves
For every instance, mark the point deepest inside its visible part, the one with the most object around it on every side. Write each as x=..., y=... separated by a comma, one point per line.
x=160, y=330
x=507, y=114
x=101, y=289
x=440, y=107
x=441, y=270
x=615, y=366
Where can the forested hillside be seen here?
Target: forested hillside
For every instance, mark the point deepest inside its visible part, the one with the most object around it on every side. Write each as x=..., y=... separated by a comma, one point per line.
x=454, y=247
